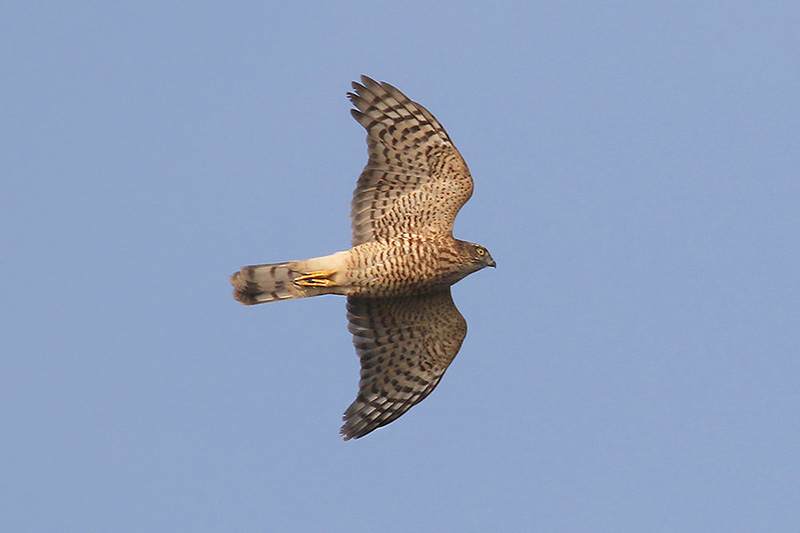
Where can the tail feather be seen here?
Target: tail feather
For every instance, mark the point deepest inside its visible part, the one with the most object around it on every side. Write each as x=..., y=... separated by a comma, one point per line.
x=257, y=284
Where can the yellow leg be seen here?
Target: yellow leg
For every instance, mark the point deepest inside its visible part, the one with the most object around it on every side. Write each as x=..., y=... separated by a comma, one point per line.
x=316, y=279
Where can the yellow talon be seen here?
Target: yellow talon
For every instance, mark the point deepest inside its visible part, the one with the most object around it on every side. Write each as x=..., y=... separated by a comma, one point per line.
x=316, y=279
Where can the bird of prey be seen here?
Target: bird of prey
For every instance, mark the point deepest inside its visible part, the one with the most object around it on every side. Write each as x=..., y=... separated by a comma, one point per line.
x=397, y=275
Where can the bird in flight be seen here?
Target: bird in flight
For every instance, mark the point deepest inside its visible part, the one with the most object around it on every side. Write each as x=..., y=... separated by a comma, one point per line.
x=404, y=258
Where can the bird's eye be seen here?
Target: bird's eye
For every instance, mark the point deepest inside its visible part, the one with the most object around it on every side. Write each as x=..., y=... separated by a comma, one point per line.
x=480, y=251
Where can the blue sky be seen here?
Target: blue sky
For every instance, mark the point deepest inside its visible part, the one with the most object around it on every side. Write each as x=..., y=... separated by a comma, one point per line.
x=631, y=365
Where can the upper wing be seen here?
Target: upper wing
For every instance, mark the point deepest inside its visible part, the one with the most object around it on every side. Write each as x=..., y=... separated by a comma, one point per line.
x=405, y=345
x=415, y=180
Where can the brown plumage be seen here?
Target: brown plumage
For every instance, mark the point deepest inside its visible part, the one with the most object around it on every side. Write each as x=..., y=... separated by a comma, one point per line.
x=397, y=276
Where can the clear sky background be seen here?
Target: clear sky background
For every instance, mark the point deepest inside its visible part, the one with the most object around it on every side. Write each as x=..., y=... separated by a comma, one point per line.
x=633, y=364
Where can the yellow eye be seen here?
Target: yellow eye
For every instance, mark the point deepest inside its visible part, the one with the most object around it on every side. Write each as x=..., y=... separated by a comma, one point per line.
x=480, y=251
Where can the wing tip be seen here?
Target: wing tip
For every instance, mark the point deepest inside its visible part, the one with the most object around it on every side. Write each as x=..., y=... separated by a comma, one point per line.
x=356, y=424
x=377, y=88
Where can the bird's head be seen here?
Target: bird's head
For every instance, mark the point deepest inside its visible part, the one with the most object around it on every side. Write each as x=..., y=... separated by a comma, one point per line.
x=478, y=256
x=483, y=256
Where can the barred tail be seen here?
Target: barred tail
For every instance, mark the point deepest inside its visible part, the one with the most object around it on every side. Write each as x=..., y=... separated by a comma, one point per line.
x=258, y=284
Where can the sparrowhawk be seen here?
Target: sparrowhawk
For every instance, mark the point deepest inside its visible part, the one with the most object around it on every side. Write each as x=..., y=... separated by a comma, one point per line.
x=397, y=275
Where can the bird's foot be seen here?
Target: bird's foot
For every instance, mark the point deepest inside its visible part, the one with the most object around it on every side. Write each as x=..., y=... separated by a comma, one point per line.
x=321, y=278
